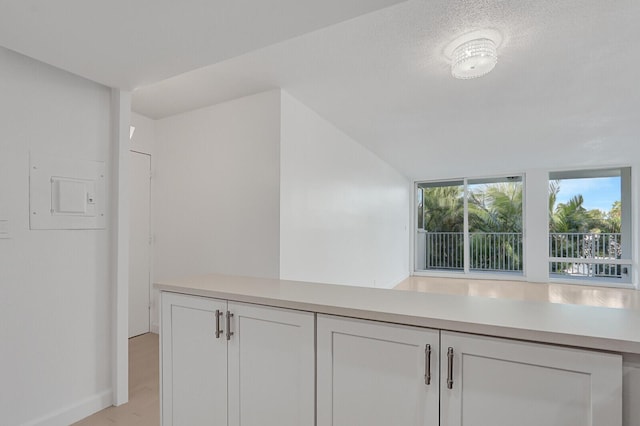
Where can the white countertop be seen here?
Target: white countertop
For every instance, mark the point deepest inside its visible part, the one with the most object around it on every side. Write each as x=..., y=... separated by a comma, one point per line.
x=610, y=329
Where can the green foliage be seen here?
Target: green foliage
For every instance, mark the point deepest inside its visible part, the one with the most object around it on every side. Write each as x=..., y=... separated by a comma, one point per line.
x=572, y=217
x=495, y=209
x=492, y=208
x=614, y=217
x=498, y=208
x=443, y=209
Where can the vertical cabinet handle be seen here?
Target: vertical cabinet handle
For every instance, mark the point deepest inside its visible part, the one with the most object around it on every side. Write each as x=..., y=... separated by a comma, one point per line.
x=229, y=332
x=427, y=365
x=218, y=329
x=450, y=368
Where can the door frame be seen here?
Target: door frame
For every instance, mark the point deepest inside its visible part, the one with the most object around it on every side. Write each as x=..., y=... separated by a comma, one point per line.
x=149, y=275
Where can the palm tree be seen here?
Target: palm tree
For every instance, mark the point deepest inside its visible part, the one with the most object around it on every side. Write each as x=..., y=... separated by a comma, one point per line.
x=570, y=216
x=443, y=209
x=495, y=215
x=443, y=212
x=614, y=218
x=554, y=188
x=496, y=208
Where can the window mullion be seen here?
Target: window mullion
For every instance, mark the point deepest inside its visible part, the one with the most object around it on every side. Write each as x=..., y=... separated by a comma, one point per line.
x=467, y=253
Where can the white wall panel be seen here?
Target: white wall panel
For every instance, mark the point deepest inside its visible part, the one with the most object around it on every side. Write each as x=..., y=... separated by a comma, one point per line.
x=216, y=189
x=344, y=212
x=55, y=307
x=143, y=139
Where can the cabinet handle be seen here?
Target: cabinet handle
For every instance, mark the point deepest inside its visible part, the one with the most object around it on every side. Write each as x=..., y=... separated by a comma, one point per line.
x=218, y=330
x=229, y=332
x=427, y=366
x=450, y=368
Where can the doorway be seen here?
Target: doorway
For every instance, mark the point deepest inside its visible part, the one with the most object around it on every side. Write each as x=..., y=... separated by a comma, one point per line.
x=139, y=243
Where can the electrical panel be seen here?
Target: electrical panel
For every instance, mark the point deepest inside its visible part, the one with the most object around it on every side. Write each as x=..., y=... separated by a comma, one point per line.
x=66, y=193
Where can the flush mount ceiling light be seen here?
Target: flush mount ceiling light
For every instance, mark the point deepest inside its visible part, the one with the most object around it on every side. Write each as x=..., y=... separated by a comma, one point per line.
x=474, y=54
x=474, y=58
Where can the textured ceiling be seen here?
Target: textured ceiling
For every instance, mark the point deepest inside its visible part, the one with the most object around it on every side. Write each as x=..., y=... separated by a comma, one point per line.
x=128, y=43
x=383, y=78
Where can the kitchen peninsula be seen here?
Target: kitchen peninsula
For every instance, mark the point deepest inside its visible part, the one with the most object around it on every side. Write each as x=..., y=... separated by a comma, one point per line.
x=253, y=351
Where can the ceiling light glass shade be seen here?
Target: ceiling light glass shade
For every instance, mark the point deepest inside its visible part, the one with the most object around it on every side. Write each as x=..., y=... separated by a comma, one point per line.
x=474, y=58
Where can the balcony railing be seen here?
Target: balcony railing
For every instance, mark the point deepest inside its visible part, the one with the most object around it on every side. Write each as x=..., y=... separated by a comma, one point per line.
x=587, y=254
x=444, y=250
x=571, y=254
x=496, y=251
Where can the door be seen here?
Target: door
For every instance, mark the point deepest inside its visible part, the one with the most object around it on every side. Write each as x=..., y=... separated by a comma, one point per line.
x=271, y=367
x=497, y=382
x=139, y=243
x=194, y=361
x=376, y=374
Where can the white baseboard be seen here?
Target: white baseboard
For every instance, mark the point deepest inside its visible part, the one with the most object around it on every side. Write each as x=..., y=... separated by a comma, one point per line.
x=75, y=412
x=155, y=328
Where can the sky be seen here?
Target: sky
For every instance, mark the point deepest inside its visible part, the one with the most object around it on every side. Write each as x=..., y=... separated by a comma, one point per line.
x=598, y=193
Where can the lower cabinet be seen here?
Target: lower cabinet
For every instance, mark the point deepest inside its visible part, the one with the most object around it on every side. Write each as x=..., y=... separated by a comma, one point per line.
x=228, y=363
x=193, y=362
x=498, y=382
x=373, y=374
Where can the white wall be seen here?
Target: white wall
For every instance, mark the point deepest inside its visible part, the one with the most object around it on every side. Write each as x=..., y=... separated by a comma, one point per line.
x=55, y=302
x=264, y=187
x=216, y=190
x=143, y=141
x=145, y=134
x=344, y=213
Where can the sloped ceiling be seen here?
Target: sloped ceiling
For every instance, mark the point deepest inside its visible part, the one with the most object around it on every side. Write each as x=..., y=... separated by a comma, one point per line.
x=129, y=43
x=566, y=72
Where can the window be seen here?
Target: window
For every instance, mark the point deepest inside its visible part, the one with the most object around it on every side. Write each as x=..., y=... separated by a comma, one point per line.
x=589, y=225
x=470, y=225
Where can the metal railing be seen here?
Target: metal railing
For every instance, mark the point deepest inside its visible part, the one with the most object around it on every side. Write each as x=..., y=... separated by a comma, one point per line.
x=587, y=254
x=581, y=248
x=496, y=251
x=445, y=250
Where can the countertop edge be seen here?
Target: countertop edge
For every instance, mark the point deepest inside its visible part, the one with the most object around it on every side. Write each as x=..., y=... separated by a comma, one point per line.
x=541, y=336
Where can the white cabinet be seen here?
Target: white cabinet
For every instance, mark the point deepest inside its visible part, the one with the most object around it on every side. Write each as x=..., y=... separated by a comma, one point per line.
x=227, y=363
x=235, y=364
x=372, y=373
x=375, y=374
x=194, y=362
x=271, y=367
x=502, y=382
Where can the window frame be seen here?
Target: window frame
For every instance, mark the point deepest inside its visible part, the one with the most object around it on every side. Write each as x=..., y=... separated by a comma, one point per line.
x=467, y=272
x=536, y=229
x=626, y=230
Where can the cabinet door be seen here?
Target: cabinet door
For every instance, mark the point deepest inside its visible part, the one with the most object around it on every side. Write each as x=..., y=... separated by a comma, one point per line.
x=194, y=362
x=500, y=382
x=271, y=366
x=375, y=374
